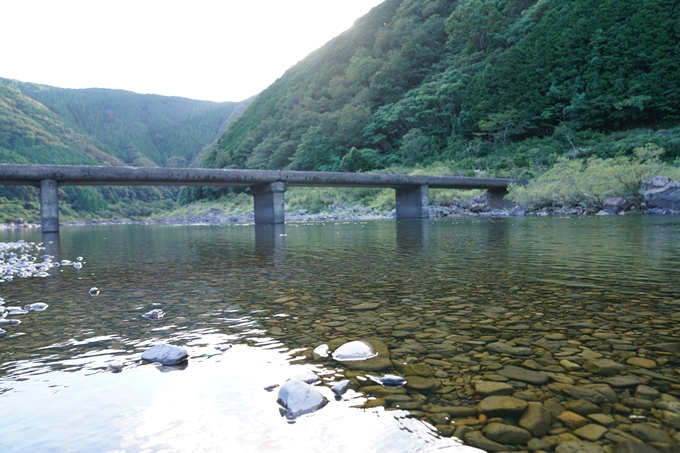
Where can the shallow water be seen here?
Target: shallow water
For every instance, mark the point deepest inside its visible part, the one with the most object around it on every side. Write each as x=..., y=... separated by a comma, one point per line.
x=278, y=292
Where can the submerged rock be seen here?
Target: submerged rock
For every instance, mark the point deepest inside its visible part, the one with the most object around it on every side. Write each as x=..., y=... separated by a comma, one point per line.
x=354, y=350
x=340, y=388
x=321, y=352
x=378, y=363
x=154, y=314
x=115, y=367
x=165, y=354
x=389, y=381
x=307, y=377
x=297, y=398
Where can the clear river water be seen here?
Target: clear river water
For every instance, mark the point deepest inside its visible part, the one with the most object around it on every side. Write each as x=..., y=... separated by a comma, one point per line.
x=559, y=294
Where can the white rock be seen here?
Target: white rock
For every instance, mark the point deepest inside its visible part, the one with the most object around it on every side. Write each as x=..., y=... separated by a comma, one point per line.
x=354, y=350
x=165, y=354
x=298, y=398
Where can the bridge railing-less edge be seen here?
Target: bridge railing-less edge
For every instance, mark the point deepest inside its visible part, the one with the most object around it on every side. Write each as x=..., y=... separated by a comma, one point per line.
x=267, y=186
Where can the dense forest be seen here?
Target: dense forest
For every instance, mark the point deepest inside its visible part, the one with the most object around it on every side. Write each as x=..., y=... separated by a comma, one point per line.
x=47, y=125
x=502, y=85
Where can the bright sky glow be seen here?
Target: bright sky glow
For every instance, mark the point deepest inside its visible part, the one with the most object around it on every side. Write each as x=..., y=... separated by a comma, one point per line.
x=215, y=50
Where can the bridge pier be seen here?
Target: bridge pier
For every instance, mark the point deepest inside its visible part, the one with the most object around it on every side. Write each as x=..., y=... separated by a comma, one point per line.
x=49, y=206
x=268, y=201
x=412, y=203
x=494, y=198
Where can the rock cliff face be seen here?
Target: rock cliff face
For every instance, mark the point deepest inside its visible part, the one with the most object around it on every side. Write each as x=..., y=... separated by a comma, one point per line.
x=661, y=193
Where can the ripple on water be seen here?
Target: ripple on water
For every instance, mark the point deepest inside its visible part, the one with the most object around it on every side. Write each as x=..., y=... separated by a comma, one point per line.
x=467, y=312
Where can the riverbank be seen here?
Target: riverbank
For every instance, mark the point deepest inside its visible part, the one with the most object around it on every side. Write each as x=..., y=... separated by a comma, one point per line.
x=356, y=213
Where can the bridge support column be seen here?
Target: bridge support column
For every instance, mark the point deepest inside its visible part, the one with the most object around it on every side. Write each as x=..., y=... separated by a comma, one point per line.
x=412, y=203
x=494, y=198
x=49, y=206
x=268, y=200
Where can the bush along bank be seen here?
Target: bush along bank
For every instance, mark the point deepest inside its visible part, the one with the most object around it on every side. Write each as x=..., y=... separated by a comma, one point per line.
x=627, y=184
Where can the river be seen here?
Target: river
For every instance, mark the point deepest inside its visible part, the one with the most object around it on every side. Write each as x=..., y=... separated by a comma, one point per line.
x=563, y=297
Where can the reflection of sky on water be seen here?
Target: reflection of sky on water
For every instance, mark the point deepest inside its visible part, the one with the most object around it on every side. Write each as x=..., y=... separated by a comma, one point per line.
x=215, y=404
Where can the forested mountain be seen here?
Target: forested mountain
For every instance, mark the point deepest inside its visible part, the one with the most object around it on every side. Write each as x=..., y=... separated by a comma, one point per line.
x=416, y=81
x=31, y=133
x=47, y=125
x=135, y=129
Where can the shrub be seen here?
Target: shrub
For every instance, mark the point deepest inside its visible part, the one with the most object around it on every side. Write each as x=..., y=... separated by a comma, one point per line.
x=587, y=182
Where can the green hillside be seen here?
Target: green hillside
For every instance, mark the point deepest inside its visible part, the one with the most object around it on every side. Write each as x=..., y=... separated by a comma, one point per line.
x=505, y=85
x=31, y=133
x=137, y=129
x=47, y=125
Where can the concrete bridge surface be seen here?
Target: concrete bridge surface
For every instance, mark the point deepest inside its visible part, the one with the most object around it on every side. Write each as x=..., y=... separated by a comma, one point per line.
x=267, y=186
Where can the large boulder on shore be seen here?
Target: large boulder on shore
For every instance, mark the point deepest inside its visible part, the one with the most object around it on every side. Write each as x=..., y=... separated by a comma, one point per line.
x=661, y=192
x=614, y=205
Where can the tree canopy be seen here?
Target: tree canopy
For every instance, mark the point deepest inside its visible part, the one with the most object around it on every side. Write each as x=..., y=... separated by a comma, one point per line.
x=414, y=81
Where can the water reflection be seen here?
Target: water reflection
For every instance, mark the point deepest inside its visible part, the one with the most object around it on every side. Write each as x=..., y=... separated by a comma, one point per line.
x=270, y=244
x=561, y=287
x=413, y=235
x=52, y=244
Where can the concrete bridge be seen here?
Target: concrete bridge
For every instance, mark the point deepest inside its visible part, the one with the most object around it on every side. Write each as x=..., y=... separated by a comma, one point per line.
x=267, y=186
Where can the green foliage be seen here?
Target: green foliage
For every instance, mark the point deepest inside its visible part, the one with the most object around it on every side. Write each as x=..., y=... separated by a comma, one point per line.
x=587, y=182
x=361, y=160
x=136, y=129
x=85, y=199
x=501, y=85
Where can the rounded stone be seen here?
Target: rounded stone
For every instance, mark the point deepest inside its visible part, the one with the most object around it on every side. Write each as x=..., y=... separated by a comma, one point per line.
x=421, y=383
x=504, y=348
x=649, y=433
x=506, y=434
x=582, y=407
x=641, y=362
x=298, y=398
x=501, y=405
x=490, y=388
x=477, y=439
x=572, y=420
x=536, y=419
x=646, y=392
x=575, y=446
x=623, y=381
x=165, y=354
x=354, y=350
x=606, y=367
x=591, y=432
x=522, y=374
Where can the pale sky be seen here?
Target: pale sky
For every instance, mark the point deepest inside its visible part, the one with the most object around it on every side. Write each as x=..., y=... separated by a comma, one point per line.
x=214, y=50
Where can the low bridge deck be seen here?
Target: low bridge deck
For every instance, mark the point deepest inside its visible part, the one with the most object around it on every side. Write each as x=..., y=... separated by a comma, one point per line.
x=267, y=186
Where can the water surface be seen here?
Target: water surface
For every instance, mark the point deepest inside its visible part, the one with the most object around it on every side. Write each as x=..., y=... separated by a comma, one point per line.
x=436, y=291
